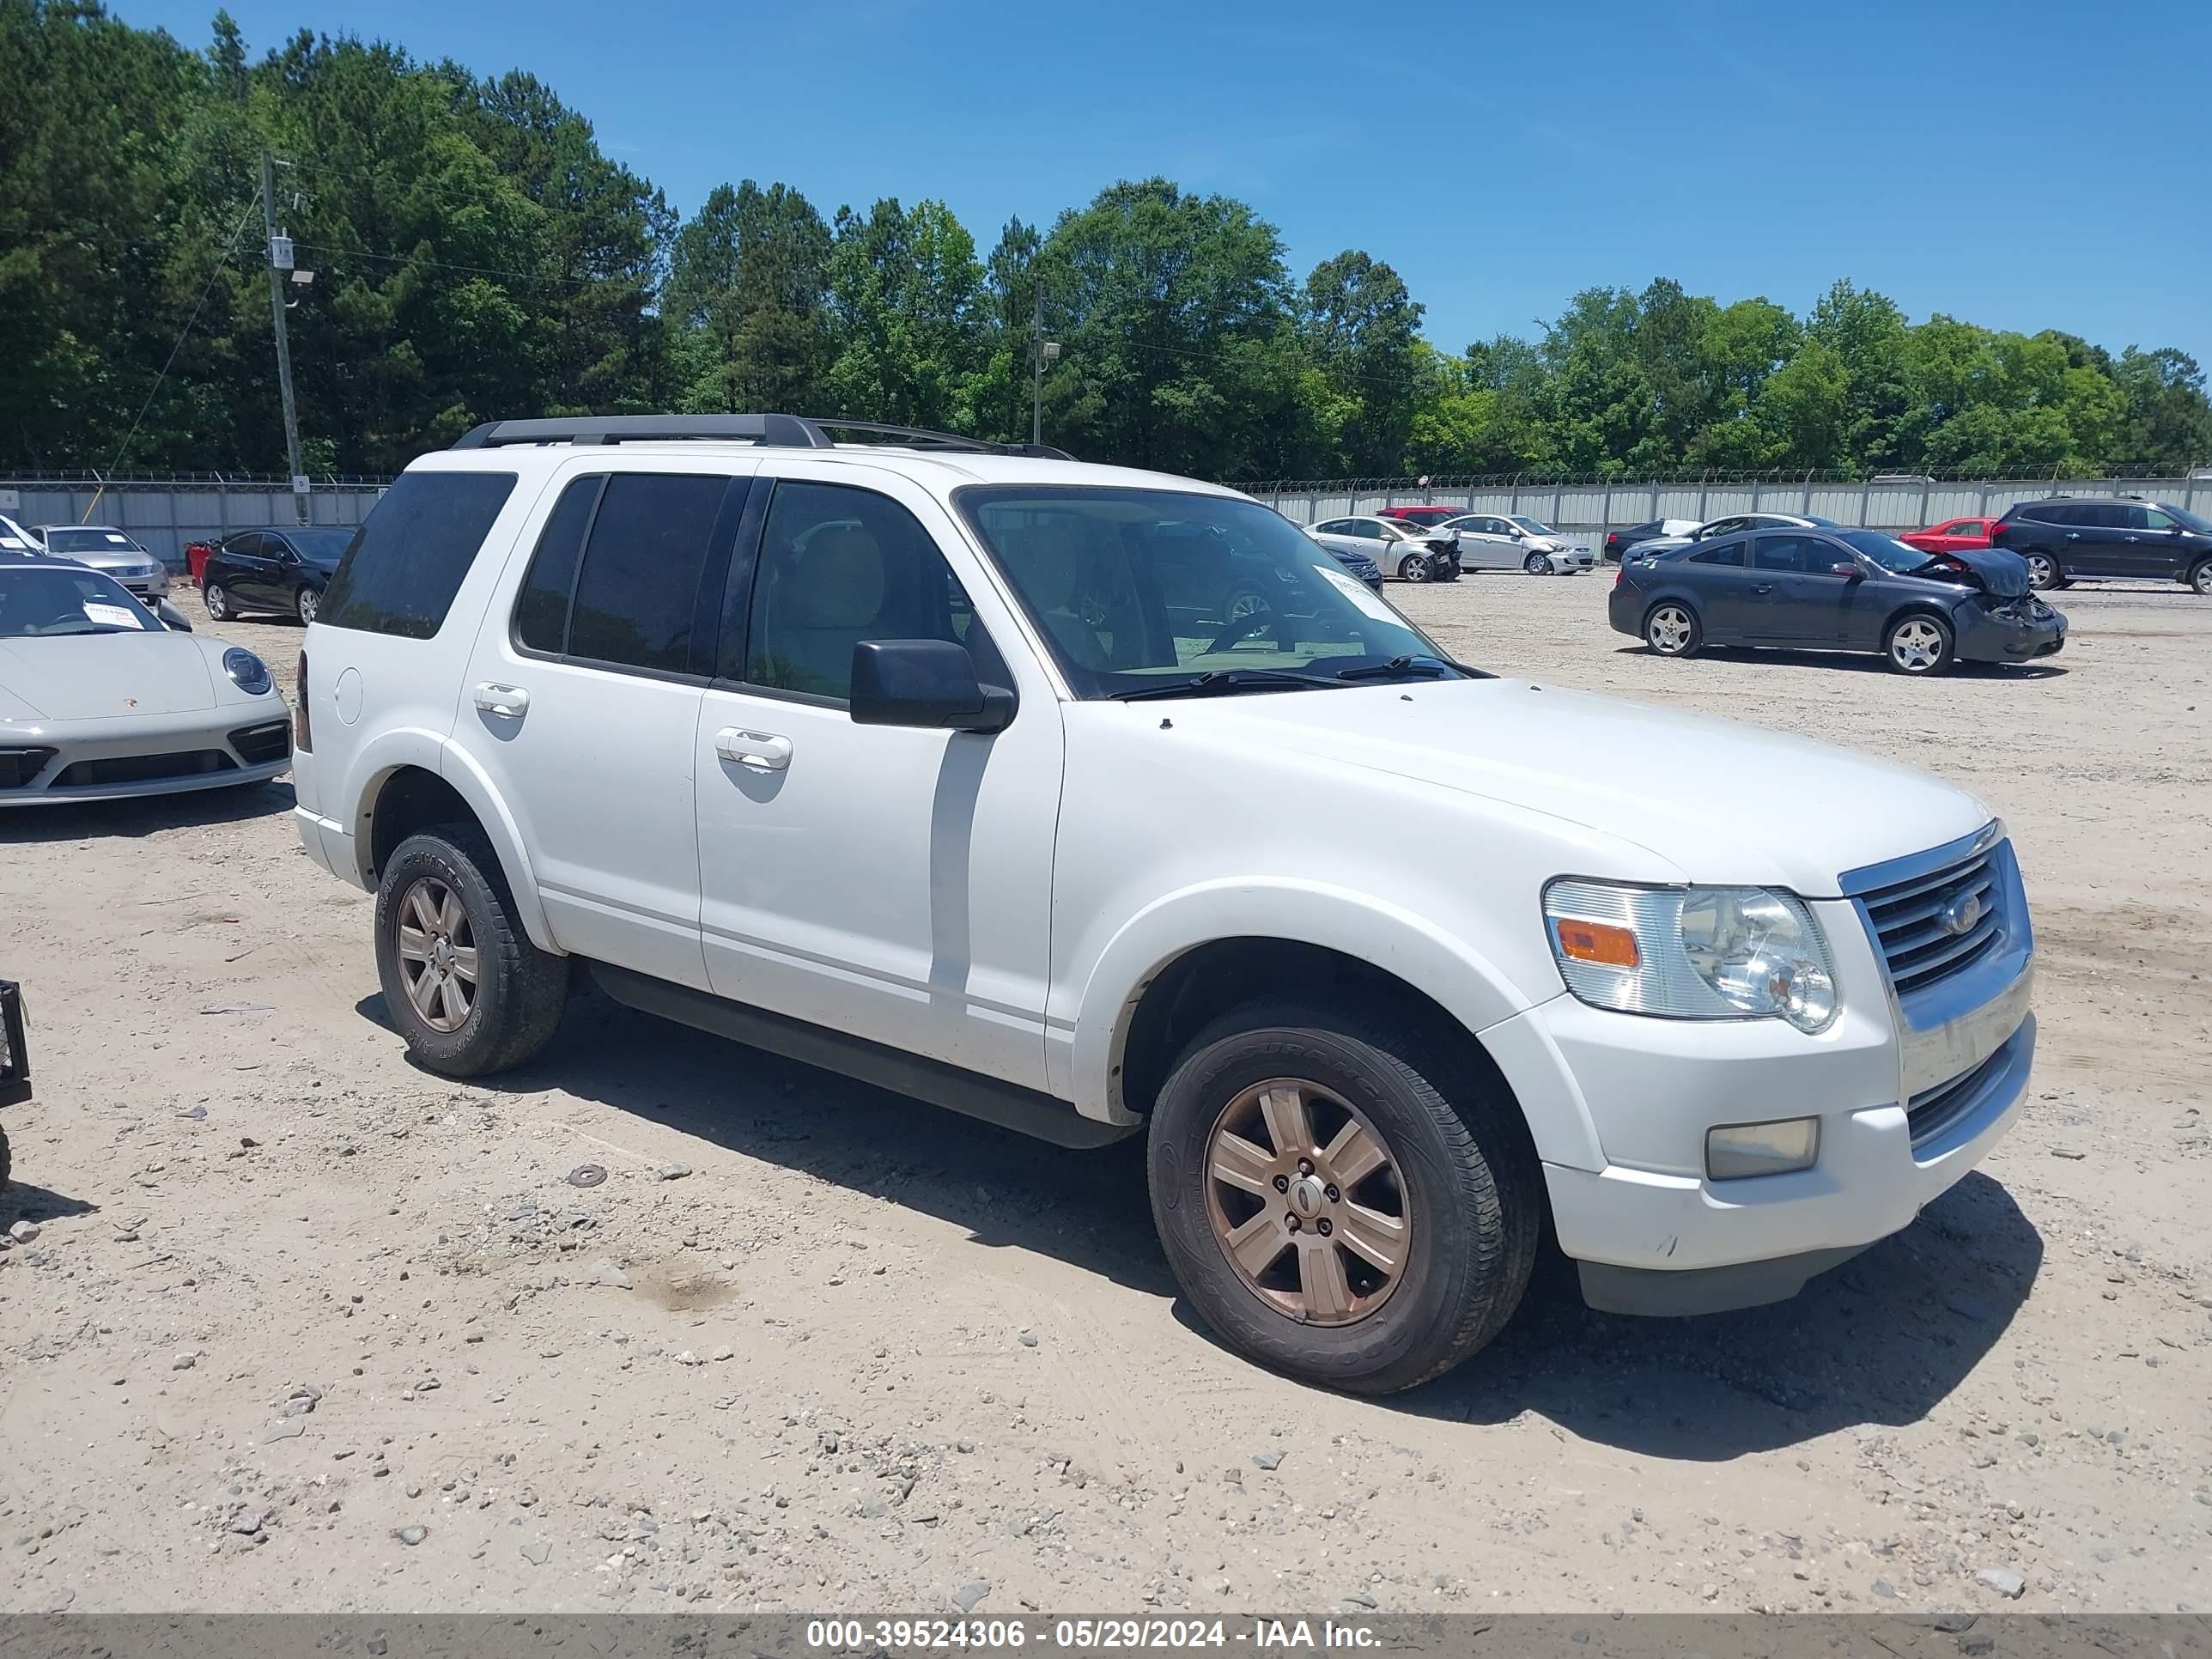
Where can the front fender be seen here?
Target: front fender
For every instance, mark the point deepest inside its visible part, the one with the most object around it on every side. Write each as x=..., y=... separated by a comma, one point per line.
x=416, y=746
x=1468, y=986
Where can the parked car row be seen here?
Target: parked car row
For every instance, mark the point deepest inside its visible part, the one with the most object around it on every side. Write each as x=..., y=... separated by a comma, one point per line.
x=1415, y=545
x=281, y=569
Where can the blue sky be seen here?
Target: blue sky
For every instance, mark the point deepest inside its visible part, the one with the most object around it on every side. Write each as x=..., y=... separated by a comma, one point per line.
x=1500, y=157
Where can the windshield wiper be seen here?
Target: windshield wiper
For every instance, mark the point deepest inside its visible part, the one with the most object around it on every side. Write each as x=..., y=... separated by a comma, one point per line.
x=1432, y=667
x=1221, y=683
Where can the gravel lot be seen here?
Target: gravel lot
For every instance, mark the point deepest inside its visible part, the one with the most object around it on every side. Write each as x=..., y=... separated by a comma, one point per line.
x=302, y=1327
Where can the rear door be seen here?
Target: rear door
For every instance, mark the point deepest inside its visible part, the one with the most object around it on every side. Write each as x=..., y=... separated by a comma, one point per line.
x=249, y=569
x=2097, y=540
x=581, y=701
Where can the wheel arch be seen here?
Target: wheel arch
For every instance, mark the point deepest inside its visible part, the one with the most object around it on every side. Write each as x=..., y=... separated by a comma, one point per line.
x=410, y=785
x=1156, y=985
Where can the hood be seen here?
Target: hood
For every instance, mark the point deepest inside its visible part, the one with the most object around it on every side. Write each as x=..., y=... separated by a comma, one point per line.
x=1995, y=570
x=1717, y=801
x=87, y=676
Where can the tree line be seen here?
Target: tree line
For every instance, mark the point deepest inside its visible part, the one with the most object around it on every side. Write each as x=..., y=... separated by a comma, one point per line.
x=477, y=255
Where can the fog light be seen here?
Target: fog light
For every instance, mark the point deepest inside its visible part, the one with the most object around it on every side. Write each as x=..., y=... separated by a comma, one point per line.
x=1738, y=1150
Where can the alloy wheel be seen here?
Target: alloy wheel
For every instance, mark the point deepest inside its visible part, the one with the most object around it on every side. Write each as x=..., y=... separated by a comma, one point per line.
x=1917, y=646
x=2042, y=570
x=1670, y=630
x=1413, y=567
x=1537, y=564
x=308, y=603
x=1306, y=1202
x=217, y=601
x=437, y=954
x=2201, y=578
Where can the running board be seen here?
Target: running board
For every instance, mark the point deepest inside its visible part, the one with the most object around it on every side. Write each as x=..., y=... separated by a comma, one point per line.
x=1010, y=1106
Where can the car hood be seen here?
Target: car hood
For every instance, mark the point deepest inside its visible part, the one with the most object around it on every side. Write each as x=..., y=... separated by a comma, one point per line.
x=86, y=677
x=1715, y=800
x=1999, y=573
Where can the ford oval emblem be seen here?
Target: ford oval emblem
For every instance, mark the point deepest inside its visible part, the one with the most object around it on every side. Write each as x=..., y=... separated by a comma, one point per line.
x=1960, y=915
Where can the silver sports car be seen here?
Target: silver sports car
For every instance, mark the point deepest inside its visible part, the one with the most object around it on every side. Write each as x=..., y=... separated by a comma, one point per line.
x=97, y=699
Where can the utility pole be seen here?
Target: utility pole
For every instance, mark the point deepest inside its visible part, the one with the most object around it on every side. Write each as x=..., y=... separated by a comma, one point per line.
x=283, y=342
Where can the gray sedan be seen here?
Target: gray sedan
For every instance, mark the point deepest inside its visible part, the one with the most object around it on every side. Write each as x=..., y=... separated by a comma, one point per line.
x=1511, y=541
x=110, y=551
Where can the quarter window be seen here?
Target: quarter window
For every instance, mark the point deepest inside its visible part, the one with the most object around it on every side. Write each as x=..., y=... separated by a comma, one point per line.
x=638, y=590
x=401, y=572
x=839, y=566
x=1727, y=553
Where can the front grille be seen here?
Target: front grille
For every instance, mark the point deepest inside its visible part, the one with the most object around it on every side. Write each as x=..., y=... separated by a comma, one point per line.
x=1932, y=1111
x=19, y=766
x=257, y=745
x=1914, y=922
x=144, y=769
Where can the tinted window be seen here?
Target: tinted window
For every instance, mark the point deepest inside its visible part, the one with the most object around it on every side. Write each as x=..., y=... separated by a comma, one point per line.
x=639, y=588
x=1336, y=528
x=839, y=566
x=1801, y=555
x=409, y=560
x=250, y=545
x=541, y=609
x=2148, y=517
x=2051, y=513
x=2106, y=515
x=1730, y=553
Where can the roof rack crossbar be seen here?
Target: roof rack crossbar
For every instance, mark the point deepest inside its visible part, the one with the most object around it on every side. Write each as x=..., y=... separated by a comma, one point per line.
x=783, y=431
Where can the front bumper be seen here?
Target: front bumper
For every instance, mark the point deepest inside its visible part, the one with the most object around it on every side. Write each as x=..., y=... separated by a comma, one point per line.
x=214, y=748
x=1910, y=1095
x=1984, y=637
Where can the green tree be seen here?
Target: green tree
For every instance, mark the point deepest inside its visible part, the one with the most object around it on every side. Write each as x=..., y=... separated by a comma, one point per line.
x=748, y=278
x=1363, y=331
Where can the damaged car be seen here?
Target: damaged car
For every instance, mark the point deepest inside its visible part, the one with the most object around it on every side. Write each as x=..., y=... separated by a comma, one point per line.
x=1816, y=588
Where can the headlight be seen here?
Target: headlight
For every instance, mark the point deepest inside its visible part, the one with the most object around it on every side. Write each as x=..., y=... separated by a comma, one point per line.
x=247, y=672
x=1692, y=953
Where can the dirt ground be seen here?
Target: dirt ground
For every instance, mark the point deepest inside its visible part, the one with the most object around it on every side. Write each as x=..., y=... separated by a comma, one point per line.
x=303, y=1327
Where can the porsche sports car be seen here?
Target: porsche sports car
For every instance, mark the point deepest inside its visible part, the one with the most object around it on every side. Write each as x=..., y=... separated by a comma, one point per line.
x=98, y=698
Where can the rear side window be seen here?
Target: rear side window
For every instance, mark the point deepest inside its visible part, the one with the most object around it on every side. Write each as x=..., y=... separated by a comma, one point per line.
x=2103, y=516
x=638, y=591
x=541, y=609
x=410, y=558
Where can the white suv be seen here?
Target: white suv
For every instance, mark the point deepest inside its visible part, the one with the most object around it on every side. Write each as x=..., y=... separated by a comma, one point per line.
x=941, y=763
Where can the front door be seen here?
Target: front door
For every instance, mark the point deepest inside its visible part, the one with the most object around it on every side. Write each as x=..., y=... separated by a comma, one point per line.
x=1796, y=598
x=889, y=883
x=1488, y=544
x=2150, y=545
x=582, y=705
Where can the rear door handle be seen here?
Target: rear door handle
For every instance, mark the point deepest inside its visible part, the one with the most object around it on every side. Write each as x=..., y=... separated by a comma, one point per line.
x=508, y=702
x=2073, y=535
x=1764, y=587
x=762, y=751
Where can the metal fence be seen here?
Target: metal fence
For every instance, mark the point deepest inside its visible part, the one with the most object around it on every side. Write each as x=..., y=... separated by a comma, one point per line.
x=1591, y=508
x=164, y=514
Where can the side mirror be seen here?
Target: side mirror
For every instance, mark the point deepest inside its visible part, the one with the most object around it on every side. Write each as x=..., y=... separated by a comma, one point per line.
x=172, y=618
x=1846, y=569
x=1518, y=534
x=929, y=684
x=286, y=555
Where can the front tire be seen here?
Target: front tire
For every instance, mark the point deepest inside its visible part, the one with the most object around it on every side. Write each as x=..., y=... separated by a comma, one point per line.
x=1537, y=564
x=216, y=598
x=1343, y=1197
x=2200, y=578
x=1412, y=568
x=1673, y=631
x=1918, y=644
x=462, y=982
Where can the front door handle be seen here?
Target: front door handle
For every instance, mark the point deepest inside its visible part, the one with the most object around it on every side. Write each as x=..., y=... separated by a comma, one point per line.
x=762, y=751
x=508, y=702
x=2073, y=535
x=1764, y=587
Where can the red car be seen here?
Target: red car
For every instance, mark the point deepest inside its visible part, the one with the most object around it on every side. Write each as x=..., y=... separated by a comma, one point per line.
x=1421, y=516
x=1952, y=536
x=197, y=553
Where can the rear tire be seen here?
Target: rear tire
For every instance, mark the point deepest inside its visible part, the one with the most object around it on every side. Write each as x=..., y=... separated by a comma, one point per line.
x=1456, y=1175
x=1918, y=644
x=508, y=1010
x=2042, y=571
x=305, y=603
x=1673, y=631
x=7, y=1160
x=216, y=598
x=2200, y=578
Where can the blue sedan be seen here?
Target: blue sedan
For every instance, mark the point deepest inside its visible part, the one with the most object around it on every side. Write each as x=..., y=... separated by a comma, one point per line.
x=1822, y=589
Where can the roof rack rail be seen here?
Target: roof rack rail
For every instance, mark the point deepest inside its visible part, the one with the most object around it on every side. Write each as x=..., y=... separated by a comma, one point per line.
x=785, y=431
x=780, y=431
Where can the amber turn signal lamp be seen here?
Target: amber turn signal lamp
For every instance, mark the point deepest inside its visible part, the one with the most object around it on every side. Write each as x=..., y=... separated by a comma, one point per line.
x=1600, y=942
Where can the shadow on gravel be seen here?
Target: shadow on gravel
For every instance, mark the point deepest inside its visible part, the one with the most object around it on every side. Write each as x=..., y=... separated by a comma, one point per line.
x=149, y=816
x=1009, y=1191
x=1879, y=1341
x=26, y=1200
x=1858, y=662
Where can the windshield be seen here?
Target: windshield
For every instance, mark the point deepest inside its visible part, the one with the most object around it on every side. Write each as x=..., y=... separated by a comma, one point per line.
x=1885, y=551
x=1533, y=526
x=37, y=603
x=89, y=539
x=1139, y=590
x=320, y=546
